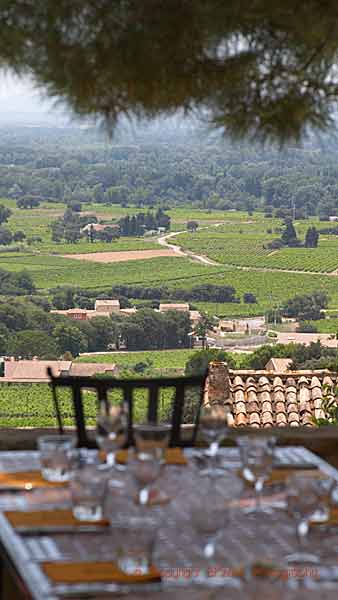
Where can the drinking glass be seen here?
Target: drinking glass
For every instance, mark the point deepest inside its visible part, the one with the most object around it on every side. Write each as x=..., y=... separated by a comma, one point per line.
x=257, y=459
x=213, y=425
x=209, y=517
x=135, y=543
x=88, y=486
x=302, y=502
x=111, y=430
x=145, y=468
x=152, y=437
x=57, y=457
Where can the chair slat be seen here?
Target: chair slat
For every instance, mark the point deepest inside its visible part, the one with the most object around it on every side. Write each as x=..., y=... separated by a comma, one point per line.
x=127, y=387
x=153, y=403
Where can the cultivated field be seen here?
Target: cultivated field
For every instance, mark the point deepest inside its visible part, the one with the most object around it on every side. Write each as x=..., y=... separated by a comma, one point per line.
x=247, y=246
x=116, y=257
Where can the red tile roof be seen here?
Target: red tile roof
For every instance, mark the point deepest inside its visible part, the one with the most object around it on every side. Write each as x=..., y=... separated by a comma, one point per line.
x=265, y=398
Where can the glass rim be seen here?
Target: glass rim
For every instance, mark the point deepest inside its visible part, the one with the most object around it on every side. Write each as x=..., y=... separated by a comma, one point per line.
x=56, y=438
x=152, y=427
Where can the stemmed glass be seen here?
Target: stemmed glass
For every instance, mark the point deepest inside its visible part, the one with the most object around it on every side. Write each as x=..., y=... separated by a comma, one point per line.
x=111, y=430
x=303, y=498
x=213, y=425
x=209, y=517
x=145, y=468
x=257, y=459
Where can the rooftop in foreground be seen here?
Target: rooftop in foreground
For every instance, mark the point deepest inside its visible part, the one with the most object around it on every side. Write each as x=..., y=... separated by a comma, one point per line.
x=266, y=398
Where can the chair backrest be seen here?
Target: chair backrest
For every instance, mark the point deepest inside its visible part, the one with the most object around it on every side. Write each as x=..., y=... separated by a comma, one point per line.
x=182, y=395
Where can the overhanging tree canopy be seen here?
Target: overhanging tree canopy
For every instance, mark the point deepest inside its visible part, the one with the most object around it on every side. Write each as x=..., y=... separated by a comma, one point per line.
x=252, y=66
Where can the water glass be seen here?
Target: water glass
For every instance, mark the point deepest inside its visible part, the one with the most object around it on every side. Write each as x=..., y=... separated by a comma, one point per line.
x=57, y=457
x=152, y=437
x=213, y=425
x=302, y=501
x=135, y=544
x=88, y=487
x=111, y=430
x=145, y=468
x=257, y=455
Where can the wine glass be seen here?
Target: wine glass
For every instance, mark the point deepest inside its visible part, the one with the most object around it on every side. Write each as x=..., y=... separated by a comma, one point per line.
x=257, y=460
x=145, y=468
x=213, y=424
x=303, y=498
x=111, y=430
x=209, y=516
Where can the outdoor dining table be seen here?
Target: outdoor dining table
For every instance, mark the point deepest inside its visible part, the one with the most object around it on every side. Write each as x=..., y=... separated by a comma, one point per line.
x=23, y=555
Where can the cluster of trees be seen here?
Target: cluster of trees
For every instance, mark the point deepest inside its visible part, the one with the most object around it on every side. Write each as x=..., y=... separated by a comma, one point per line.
x=306, y=307
x=204, y=292
x=6, y=235
x=313, y=356
x=16, y=284
x=168, y=169
x=289, y=237
x=138, y=224
x=69, y=227
x=28, y=329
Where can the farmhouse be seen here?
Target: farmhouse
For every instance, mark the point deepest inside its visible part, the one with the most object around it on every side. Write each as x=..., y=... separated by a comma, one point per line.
x=179, y=307
x=103, y=308
x=97, y=227
x=35, y=371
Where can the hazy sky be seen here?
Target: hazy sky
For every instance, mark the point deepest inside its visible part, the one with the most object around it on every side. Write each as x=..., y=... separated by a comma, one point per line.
x=19, y=100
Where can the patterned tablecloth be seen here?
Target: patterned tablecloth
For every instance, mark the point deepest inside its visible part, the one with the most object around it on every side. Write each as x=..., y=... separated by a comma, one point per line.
x=178, y=557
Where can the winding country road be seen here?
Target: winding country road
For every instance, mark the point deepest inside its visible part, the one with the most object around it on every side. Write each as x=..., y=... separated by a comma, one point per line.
x=163, y=241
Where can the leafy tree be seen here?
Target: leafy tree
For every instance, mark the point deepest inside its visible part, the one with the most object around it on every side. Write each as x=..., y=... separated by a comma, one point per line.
x=70, y=338
x=289, y=235
x=311, y=238
x=204, y=325
x=63, y=298
x=5, y=213
x=192, y=226
x=249, y=298
x=198, y=363
x=5, y=236
x=307, y=307
x=28, y=202
x=19, y=236
x=30, y=343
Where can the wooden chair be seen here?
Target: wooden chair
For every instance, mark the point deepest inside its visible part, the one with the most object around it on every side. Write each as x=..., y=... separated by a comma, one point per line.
x=102, y=388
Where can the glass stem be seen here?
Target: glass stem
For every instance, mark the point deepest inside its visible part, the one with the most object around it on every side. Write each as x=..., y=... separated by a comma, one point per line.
x=302, y=532
x=111, y=459
x=259, y=483
x=213, y=453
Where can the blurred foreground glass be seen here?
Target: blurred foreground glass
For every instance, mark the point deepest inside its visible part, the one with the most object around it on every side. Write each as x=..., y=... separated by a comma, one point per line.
x=111, y=430
x=88, y=487
x=145, y=468
x=57, y=457
x=135, y=543
x=213, y=425
x=257, y=455
x=152, y=437
x=302, y=502
x=209, y=517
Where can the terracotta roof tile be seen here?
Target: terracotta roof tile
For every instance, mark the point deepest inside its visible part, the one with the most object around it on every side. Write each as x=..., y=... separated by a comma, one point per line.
x=267, y=398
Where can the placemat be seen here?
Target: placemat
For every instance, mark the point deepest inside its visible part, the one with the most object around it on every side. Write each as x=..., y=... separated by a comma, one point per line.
x=94, y=572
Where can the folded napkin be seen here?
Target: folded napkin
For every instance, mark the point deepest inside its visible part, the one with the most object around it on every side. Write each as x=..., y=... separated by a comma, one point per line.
x=46, y=518
x=94, y=572
x=173, y=456
x=332, y=520
x=26, y=480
